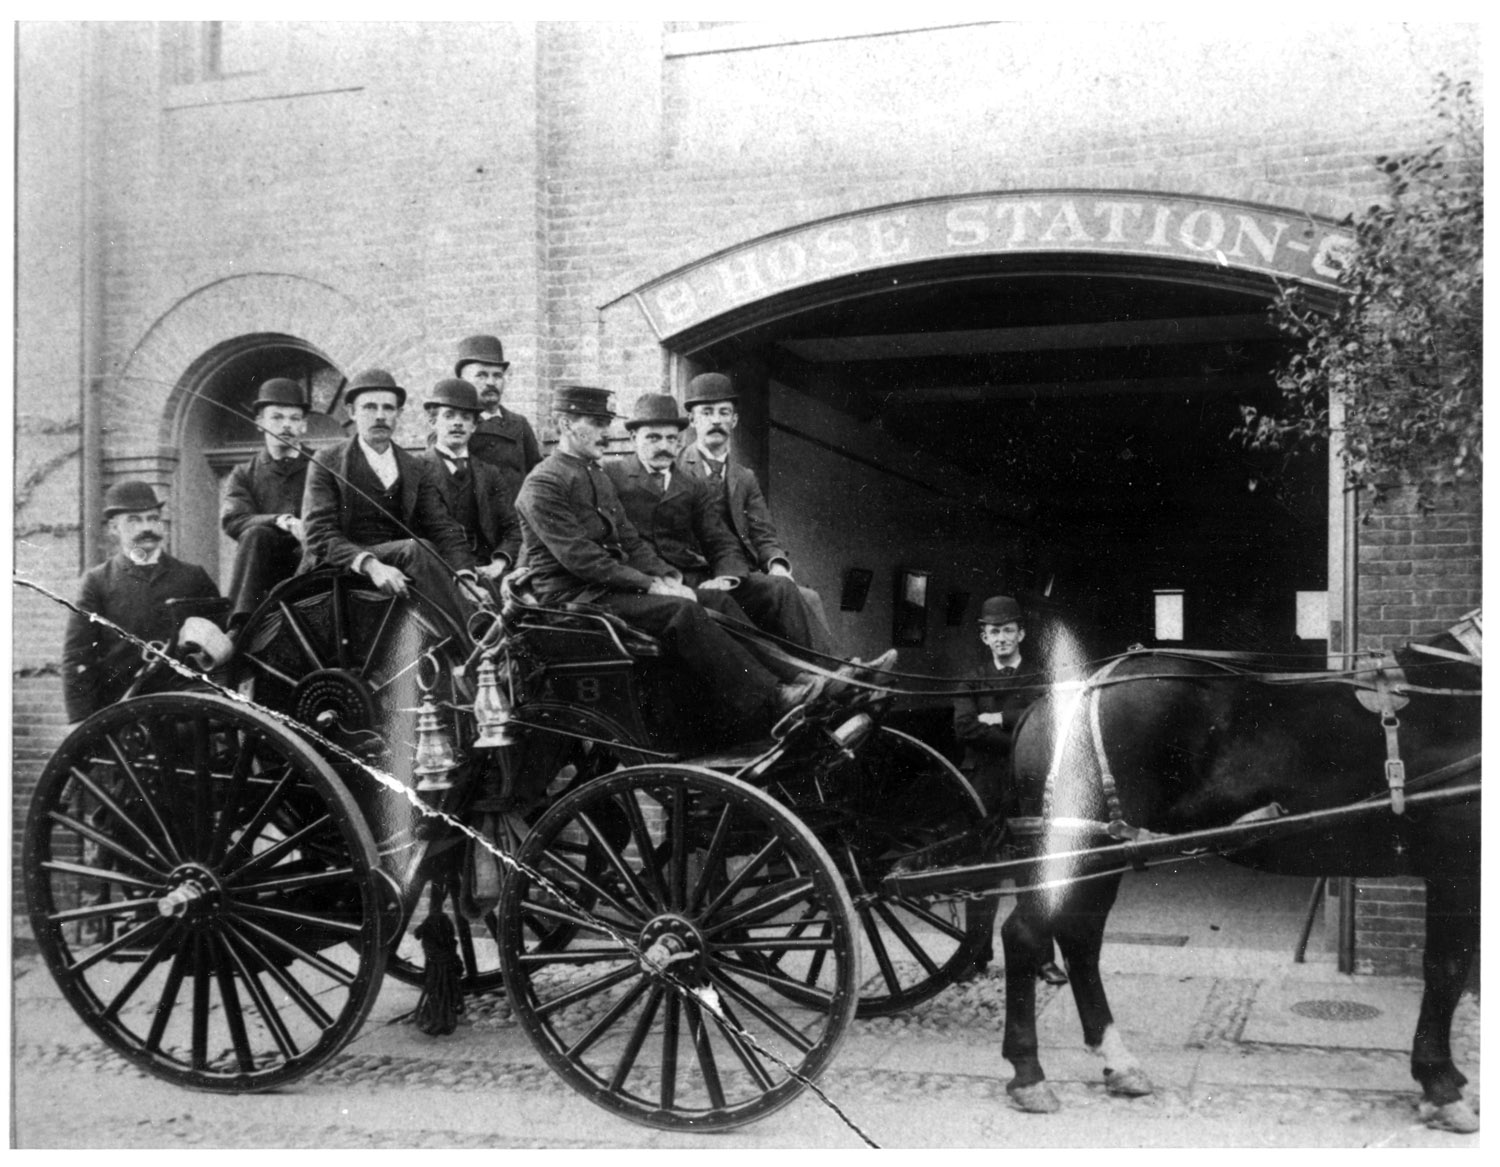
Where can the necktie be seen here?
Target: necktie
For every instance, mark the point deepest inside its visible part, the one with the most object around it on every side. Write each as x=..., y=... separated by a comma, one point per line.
x=661, y=480
x=460, y=468
x=716, y=471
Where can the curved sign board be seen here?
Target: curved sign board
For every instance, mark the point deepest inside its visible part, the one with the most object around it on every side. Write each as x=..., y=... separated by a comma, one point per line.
x=1284, y=244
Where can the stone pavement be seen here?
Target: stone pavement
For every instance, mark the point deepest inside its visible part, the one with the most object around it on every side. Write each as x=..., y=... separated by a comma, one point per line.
x=1246, y=1049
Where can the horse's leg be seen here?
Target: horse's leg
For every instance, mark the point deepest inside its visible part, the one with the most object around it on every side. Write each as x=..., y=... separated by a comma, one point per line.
x=1452, y=938
x=1080, y=936
x=1027, y=939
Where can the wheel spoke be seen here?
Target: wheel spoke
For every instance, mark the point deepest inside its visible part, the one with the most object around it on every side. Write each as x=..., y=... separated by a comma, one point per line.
x=290, y=984
x=877, y=945
x=602, y=846
x=332, y=971
x=276, y=850
x=378, y=639
x=269, y=1014
x=174, y=847
x=270, y=670
x=707, y=1063
x=296, y=919
x=153, y=958
x=925, y=914
x=743, y=1050
x=338, y=601
x=678, y=834
x=778, y=980
x=638, y=1037
x=129, y=939
x=119, y=814
x=67, y=822
x=239, y=777
x=583, y=992
x=234, y=1014
x=793, y=944
x=770, y=902
x=258, y=821
x=201, y=986
x=168, y=1000
x=300, y=634
x=586, y=882
x=607, y=1022
x=106, y=875
x=748, y=872
x=713, y=859
x=908, y=941
x=297, y=882
x=574, y=955
x=670, y=1022
x=763, y=1012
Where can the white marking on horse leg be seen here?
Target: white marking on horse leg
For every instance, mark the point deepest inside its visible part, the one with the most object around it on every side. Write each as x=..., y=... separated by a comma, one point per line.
x=1111, y=1050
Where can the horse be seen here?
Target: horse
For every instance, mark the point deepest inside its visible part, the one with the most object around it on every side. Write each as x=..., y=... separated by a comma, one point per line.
x=1175, y=742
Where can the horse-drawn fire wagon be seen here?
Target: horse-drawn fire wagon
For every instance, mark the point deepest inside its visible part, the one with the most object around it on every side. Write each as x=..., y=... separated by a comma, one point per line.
x=220, y=873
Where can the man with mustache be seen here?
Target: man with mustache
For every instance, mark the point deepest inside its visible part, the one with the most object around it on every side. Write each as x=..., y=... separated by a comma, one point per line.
x=710, y=403
x=503, y=438
x=373, y=509
x=578, y=544
x=131, y=589
x=677, y=513
x=263, y=503
x=474, y=490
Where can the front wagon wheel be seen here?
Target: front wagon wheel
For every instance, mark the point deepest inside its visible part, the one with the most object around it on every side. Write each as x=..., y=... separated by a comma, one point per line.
x=204, y=892
x=696, y=900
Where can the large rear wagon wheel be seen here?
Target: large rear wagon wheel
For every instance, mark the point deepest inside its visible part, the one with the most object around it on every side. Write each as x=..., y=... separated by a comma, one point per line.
x=897, y=795
x=668, y=1007
x=205, y=893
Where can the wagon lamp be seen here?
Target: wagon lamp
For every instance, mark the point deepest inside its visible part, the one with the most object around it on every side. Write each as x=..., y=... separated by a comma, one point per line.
x=491, y=708
x=433, y=759
x=849, y=734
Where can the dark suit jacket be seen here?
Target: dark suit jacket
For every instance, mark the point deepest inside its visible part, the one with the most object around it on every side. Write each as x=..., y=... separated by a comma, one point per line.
x=987, y=747
x=683, y=525
x=507, y=443
x=744, y=511
x=98, y=664
x=260, y=491
x=499, y=531
x=577, y=543
x=326, y=515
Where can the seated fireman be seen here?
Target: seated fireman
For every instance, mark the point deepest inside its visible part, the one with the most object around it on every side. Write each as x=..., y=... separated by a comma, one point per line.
x=476, y=492
x=263, y=502
x=373, y=509
x=578, y=544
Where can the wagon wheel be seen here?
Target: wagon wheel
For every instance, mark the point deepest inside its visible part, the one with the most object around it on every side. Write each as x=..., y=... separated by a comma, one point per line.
x=205, y=893
x=896, y=796
x=668, y=1007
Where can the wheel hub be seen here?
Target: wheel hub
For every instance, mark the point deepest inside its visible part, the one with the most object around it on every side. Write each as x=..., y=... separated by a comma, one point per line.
x=334, y=701
x=671, y=945
x=192, y=892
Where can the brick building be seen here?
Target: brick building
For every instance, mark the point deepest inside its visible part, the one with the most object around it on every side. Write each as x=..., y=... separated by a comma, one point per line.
x=993, y=293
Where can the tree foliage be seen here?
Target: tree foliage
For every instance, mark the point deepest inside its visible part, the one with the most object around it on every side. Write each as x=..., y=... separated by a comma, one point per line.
x=1403, y=348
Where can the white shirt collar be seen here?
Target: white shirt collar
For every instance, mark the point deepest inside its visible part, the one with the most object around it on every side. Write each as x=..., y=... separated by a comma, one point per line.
x=143, y=558
x=384, y=465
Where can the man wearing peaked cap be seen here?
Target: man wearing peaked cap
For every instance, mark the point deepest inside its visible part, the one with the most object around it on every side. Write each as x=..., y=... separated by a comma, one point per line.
x=578, y=544
x=710, y=403
x=503, y=438
x=474, y=490
x=263, y=502
x=679, y=515
x=131, y=589
x=375, y=510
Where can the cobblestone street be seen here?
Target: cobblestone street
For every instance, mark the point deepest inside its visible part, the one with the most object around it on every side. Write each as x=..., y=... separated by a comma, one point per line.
x=1245, y=1048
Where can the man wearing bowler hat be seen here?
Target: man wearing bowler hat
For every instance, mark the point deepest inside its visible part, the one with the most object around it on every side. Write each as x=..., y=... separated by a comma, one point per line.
x=373, y=509
x=132, y=589
x=503, y=438
x=474, y=490
x=577, y=543
x=677, y=513
x=711, y=406
x=263, y=504
x=1001, y=689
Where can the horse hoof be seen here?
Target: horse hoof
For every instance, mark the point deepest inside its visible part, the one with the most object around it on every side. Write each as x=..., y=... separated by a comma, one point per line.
x=1036, y=1099
x=1456, y=1117
x=1131, y=1083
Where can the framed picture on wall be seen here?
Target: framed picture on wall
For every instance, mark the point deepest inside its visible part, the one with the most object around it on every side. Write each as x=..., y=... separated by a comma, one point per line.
x=910, y=607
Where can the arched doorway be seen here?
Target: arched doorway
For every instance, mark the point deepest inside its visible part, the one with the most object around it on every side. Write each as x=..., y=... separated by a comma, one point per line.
x=214, y=431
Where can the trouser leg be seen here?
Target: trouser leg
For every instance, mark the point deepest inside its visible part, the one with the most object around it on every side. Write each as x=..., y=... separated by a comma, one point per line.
x=775, y=603
x=745, y=689
x=821, y=636
x=266, y=555
x=422, y=564
x=727, y=603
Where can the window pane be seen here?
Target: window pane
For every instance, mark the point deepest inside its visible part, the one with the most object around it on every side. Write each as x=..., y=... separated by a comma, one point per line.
x=1169, y=610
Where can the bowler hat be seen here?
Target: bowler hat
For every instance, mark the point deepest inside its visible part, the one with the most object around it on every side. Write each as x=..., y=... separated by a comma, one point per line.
x=454, y=393
x=1000, y=610
x=279, y=391
x=130, y=496
x=583, y=400
x=487, y=350
x=706, y=388
x=656, y=409
x=370, y=380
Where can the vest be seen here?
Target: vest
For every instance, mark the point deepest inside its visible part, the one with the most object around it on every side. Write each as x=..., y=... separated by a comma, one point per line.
x=374, y=511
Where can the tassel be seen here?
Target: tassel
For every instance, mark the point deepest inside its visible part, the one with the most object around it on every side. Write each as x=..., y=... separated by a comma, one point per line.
x=442, y=999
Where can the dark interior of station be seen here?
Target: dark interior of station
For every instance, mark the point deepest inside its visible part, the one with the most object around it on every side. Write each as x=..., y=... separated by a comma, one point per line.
x=1097, y=408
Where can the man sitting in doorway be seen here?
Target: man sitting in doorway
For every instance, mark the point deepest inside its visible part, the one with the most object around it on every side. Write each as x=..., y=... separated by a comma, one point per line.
x=263, y=502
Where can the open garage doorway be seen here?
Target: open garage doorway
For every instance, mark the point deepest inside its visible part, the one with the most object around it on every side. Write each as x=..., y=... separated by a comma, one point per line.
x=1062, y=434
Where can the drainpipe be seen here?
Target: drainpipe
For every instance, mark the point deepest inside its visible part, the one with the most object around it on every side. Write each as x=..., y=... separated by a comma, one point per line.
x=1349, y=614
x=91, y=318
